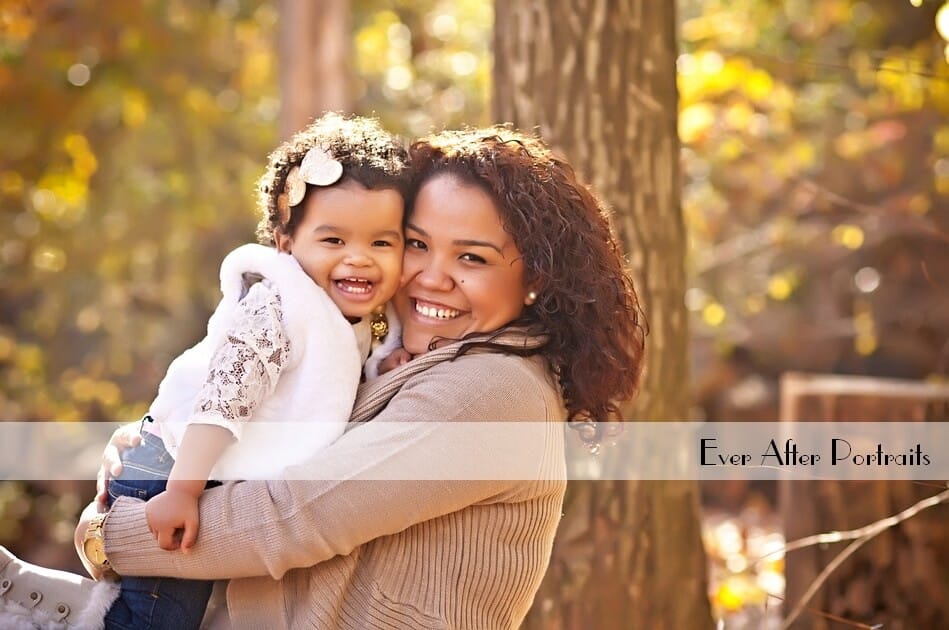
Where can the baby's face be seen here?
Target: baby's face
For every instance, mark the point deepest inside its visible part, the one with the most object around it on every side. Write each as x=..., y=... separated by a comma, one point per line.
x=350, y=243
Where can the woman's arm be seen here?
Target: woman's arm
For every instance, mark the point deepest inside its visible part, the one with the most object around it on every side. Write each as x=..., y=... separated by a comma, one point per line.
x=370, y=483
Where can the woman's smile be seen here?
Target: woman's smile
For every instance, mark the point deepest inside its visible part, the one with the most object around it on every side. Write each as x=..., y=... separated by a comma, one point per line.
x=433, y=310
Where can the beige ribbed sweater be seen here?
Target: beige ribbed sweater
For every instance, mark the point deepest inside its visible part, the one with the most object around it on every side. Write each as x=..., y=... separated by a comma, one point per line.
x=356, y=553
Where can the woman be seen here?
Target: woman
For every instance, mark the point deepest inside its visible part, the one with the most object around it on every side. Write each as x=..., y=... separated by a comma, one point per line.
x=516, y=307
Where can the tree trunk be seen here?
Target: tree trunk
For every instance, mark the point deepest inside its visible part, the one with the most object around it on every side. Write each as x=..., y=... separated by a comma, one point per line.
x=597, y=78
x=314, y=49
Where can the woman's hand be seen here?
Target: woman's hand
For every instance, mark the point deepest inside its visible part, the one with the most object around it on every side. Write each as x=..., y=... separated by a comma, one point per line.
x=125, y=437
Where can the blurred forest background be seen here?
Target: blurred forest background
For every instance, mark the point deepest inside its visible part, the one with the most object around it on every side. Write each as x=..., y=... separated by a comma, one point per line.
x=815, y=158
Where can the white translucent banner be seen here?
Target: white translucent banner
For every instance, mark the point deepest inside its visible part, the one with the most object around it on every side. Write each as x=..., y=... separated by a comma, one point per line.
x=530, y=450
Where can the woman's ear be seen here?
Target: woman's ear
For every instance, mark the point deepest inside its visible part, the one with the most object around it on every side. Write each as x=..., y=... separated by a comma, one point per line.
x=282, y=240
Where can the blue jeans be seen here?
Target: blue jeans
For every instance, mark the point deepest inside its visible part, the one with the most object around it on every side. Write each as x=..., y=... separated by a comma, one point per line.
x=153, y=602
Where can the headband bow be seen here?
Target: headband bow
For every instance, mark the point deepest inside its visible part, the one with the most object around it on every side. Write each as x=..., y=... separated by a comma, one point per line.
x=318, y=168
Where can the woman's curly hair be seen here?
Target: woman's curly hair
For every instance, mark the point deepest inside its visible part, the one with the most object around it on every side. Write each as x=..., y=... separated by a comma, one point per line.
x=369, y=154
x=586, y=304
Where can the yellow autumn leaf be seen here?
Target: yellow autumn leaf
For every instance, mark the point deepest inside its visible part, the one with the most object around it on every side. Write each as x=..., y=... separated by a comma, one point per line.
x=738, y=115
x=911, y=94
x=780, y=287
x=865, y=344
x=759, y=85
x=7, y=347
x=695, y=121
x=942, y=185
x=850, y=145
x=849, y=236
x=28, y=358
x=199, y=101
x=134, y=108
x=713, y=314
x=68, y=189
x=83, y=389
x=256, y=70
x=697, y=28
x=730, y=149
x=939, y=89
x=84, y=161
x=108, y=393
x=731, y=76
x=11, y=183
x=804, y=153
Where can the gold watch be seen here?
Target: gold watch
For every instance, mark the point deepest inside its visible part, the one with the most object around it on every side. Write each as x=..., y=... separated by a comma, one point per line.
x=93, y=544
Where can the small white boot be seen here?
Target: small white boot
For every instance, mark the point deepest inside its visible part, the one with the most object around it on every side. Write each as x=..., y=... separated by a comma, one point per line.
x=34, y=598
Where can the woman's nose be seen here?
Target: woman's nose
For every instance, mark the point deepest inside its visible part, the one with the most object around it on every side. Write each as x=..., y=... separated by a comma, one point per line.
x=434, y=277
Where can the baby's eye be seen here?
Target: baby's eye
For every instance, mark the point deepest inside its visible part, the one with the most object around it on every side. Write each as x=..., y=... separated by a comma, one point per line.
x=472, y=258
x=332, y=240
x=381, y=244
x=414, y=243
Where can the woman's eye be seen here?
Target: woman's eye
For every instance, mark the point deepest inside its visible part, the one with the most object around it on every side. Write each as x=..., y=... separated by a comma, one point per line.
x=332, y=240
x=473, y=258
x=414, y=243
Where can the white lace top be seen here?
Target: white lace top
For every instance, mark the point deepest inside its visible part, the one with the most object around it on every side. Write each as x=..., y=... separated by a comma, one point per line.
x=245, y=368
x=291, y=364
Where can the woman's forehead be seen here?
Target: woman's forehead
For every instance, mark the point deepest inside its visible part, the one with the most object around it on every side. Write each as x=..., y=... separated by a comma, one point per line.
x=459, y=213
x=448, y=201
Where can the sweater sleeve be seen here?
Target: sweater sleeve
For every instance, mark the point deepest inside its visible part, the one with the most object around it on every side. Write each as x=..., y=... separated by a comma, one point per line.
x=368, y=484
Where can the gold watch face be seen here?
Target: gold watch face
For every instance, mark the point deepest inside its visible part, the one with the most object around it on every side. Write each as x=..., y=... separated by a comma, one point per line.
x=95, y=551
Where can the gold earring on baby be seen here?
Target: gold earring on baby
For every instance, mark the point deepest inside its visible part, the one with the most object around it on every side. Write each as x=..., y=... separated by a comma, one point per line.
x=531, y=298
x=378, y=323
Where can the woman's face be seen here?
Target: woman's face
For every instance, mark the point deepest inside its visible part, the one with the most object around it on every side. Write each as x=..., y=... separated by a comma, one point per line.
x=462, y=272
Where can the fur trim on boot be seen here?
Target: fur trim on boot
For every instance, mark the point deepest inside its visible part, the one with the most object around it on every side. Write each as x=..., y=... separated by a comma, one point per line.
x=32, y=597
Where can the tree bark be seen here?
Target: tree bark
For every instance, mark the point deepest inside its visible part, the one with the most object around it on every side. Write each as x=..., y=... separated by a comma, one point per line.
x=314, y=50
x=597, y=79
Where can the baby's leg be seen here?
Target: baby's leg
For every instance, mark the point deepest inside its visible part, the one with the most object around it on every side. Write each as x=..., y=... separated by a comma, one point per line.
x=153, y=602
x=145, y=470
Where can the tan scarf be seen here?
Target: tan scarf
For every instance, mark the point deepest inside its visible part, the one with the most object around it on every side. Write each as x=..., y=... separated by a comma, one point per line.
x=374, y=395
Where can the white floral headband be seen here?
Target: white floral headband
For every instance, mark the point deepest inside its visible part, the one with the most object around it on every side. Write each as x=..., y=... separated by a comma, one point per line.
x=318, y=168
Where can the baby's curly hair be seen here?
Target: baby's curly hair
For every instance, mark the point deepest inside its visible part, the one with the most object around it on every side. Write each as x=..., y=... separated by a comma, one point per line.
x=369, y=154
x=586, y=303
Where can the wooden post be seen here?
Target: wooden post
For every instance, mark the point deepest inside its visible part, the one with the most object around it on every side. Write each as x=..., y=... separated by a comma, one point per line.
x=900, y=578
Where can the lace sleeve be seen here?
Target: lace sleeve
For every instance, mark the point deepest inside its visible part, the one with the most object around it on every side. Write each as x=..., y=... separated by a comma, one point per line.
x=245, y=368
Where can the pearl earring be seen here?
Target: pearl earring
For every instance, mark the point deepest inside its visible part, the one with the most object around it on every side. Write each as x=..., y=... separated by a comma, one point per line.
x=531, y=297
